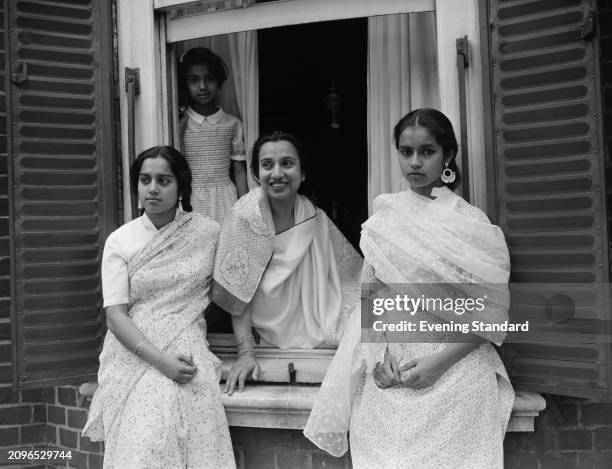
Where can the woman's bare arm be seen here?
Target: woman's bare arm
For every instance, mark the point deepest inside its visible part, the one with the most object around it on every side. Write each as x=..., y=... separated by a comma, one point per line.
x=245, y=364
x=179, y=368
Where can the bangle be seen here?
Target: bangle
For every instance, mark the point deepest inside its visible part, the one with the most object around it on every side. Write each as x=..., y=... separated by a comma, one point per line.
x=246, y=347
x=244, y=338
x=140, y=346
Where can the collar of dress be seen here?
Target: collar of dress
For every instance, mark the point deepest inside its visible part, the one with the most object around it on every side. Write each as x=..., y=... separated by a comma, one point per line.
x=199, y=118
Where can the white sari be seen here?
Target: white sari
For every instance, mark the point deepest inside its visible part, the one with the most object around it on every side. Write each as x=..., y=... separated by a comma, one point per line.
x=301, y=287
x=460, y=421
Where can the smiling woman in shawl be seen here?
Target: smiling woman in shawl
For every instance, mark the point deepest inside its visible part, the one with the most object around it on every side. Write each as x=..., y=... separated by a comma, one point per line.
x=432, y=401
x=282, y=266
x=158, y=403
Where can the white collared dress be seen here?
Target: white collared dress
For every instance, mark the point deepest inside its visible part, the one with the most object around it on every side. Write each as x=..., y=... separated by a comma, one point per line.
x=209, y=144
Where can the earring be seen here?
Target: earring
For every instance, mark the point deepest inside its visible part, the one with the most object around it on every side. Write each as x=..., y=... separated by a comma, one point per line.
x=448, y=175
x=180, y=198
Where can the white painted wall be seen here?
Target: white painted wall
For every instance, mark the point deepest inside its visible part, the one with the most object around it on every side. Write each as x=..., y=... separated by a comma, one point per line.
x=455, y=19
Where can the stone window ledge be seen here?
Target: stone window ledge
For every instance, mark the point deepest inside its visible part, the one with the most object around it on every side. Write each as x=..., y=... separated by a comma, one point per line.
x=286, y=406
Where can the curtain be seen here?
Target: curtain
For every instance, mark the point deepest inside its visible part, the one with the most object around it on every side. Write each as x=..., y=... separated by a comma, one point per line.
x=245, y=75
x=402, y=76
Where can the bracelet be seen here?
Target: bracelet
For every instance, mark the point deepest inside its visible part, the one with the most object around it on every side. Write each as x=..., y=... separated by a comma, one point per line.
x=244, y=338
x=140, y=346
x=246, y=347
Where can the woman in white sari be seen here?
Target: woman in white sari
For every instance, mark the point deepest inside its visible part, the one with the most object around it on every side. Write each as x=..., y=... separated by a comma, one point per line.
x=282, y=266
x=423, y=400
x=158, y=402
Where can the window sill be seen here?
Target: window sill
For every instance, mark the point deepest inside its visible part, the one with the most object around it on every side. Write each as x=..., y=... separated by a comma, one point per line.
x=270, y=406
x=286, y=406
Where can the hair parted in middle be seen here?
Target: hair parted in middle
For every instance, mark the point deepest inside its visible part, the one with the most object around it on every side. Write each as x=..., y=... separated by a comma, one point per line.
x=178, y=165
x=440, y=128
x=278, y=136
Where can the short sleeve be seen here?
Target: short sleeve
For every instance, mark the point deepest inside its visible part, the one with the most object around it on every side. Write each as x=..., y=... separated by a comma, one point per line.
x=237, y=151
x=115, y=282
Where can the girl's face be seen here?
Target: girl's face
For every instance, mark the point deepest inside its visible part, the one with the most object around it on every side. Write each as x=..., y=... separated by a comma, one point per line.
x=421, y=159
x=280, y=170
x=202, y=85
x=157, y=187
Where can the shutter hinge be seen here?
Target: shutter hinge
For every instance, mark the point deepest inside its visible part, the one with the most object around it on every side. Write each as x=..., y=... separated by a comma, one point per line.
x=19, y=73
x=587, y=30
x=462, y=45
x=132, y=79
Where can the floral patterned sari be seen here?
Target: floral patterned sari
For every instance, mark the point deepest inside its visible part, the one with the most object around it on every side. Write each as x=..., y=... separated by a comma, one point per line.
x=146, y=419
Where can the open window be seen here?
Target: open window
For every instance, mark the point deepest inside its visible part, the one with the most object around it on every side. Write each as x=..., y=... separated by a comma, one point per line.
x=337, y=73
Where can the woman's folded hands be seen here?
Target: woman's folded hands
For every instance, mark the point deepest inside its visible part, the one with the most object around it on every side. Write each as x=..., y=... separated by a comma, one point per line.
x=418, y=373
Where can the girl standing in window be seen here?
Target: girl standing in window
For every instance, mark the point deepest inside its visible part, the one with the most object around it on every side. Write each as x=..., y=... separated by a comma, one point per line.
x=212, y=139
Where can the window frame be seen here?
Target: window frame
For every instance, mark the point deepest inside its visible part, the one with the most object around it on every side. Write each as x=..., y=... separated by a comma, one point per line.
x=142, y=23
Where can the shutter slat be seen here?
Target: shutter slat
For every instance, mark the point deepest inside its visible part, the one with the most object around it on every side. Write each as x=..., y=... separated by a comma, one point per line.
x=550, y=194
x=62, y=164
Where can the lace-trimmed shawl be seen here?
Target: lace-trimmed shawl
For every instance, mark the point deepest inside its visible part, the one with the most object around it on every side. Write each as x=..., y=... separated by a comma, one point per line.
x=244, y=251
x=246, y=247
x=422, y=247
x=409, y=238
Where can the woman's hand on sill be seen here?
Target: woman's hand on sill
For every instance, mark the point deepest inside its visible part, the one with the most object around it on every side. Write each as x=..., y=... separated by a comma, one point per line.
x=243, y=367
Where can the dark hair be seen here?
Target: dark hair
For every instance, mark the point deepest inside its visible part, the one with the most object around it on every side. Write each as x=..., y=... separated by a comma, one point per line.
x=278, y=136
x=202, y=56
x=178, y=166
x=440, y=128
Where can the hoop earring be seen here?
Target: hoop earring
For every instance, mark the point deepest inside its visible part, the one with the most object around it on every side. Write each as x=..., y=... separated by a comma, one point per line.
x=448, y=176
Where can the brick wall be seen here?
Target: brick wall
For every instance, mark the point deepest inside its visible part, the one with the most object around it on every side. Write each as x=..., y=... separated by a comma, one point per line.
x=66, y=417
x=570, y=433
x=22, y=418
x=265, y=448
x=48, y=418
x=5, y=256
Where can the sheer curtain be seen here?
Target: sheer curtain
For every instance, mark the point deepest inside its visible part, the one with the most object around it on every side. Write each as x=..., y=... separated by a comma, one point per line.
x=402, y=75
x=245, y=74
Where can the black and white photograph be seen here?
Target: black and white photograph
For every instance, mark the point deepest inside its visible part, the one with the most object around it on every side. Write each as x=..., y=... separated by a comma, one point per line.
x=306, y=234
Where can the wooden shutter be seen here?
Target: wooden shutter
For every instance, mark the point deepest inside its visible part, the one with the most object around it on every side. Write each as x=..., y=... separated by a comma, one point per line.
x=62, y=171
x=551, y=192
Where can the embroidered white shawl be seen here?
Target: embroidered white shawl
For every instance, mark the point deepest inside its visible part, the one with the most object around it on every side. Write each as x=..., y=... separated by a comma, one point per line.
x=411, y=240
x=246, y=247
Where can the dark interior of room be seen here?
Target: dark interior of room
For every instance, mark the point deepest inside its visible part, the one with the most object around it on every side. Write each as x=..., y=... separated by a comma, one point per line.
x=312, y=76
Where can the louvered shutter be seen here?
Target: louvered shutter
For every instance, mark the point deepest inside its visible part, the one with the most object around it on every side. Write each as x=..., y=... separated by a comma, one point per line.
x=551, y=192
x=62, y=170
